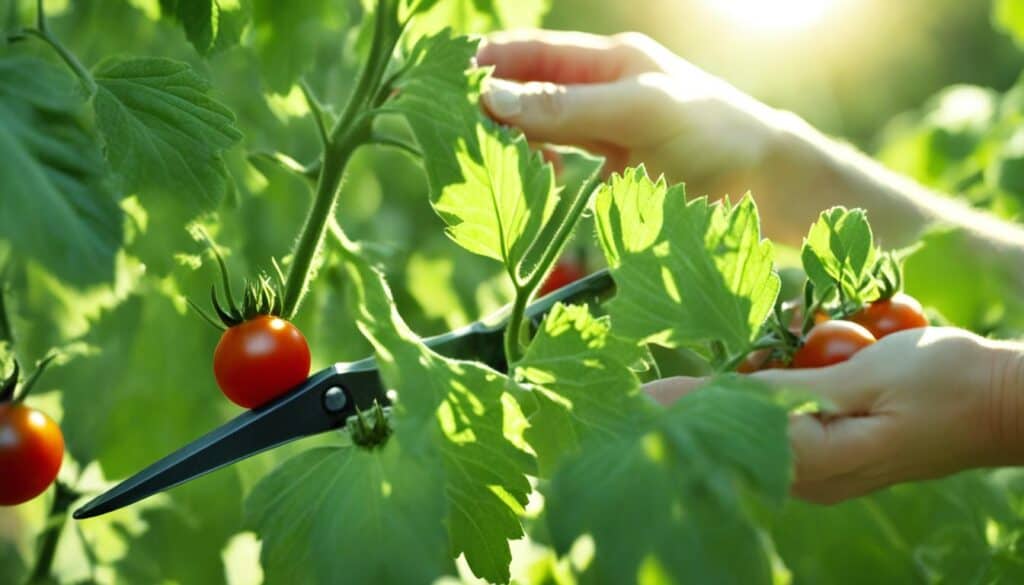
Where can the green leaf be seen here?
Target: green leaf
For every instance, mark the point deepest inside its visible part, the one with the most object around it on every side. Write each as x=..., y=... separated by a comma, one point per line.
x=838, y=254
x=210, y=25
x=163, y=132
x=56, y=206
x=584, y=383
x=497, y=197
x=369, y=516
x=458, y=415
x=685, y=272
x=673, y=496
x=505, y=200
x=286, y=35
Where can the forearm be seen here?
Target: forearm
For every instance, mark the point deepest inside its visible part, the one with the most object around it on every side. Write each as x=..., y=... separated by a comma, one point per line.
x=803, y=172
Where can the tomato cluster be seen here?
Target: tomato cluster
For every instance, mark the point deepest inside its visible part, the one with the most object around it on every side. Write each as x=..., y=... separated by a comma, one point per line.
x=831, y=341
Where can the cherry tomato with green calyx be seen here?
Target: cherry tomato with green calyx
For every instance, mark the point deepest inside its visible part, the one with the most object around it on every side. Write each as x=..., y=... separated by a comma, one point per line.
x=259, y=360
x=898, y=313
x=31, y=451
x=830, y=343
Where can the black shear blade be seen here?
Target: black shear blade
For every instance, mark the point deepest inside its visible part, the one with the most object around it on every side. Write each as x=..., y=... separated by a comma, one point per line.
x=324, y=402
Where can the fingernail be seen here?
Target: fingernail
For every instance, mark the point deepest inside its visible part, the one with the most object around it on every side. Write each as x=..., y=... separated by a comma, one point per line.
x=501, y=100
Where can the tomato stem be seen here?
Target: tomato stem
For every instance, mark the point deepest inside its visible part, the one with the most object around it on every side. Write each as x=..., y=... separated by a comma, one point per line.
x=397, y=143
x=514, y=341
x=317, y=111
x=352, y=129
x=6, y=332
x=41, y=365
x=68, y=57
x=514, y=328
x=63, y=497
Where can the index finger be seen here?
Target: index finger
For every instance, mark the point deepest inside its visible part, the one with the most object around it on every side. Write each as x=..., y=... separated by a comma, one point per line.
x=555, y=56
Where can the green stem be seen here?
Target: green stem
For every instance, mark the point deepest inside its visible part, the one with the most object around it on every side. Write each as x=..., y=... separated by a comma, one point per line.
x=6, y=332
x=55, y=521
x=384, y=40
x=317, y=111
x=514, y=329
x=524, y=292
x=26, y=388
x=312, y=235
x=399, y=144
x=561, y=236
x=69, y=59
x=350, y=131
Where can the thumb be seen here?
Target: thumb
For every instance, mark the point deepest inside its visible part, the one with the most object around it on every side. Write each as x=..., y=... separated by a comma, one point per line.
x=668, y=390
x=568, y=114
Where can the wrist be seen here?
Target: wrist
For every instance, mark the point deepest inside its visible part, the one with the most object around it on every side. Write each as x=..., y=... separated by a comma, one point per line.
x=1005, y=402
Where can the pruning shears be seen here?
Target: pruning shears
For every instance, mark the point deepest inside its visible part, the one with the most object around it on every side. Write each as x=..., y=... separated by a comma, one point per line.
x=326, y=401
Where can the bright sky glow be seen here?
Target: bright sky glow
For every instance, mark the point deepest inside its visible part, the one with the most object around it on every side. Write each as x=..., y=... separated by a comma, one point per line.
x=774, y=15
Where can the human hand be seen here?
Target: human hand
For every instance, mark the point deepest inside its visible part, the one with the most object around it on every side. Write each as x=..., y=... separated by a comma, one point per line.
x=918, y=404
x=627, y=98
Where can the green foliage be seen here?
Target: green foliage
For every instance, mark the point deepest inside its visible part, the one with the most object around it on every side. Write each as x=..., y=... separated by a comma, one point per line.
x=686, y=272
x=210, y=25
x=584, y=383
x=57, y=206
x=839, y=256
x=163, y=131
x=667, y=497
x=382, y=496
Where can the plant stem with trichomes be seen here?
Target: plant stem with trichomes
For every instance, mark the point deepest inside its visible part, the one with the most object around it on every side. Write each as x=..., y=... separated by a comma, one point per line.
x=514, y=334
x=351, y=131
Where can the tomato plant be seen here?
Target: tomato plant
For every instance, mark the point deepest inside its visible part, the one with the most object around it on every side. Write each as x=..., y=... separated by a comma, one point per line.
x=338, y=155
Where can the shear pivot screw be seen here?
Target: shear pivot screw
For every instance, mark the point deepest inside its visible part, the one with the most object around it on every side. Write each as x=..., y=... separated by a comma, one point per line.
x=335, y=399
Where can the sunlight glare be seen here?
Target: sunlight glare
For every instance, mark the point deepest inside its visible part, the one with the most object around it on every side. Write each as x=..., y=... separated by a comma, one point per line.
x=774, y=15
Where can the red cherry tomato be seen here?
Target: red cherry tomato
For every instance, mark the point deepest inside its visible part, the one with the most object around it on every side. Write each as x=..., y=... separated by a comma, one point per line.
x=31, y=451
x=565, y=272
x=898, y=313
x=760, y=360
x=259, y=360
x=831, y=342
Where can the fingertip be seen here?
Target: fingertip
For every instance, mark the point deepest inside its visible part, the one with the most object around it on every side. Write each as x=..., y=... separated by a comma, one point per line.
x=669, y=390
x=502, y=99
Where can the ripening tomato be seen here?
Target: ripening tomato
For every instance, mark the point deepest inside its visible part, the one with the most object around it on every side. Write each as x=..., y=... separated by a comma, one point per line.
x=831, y=342
x=758, y=360
x=259, y=360
x=31, y=451
x=564, y=273
x=898, y=313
